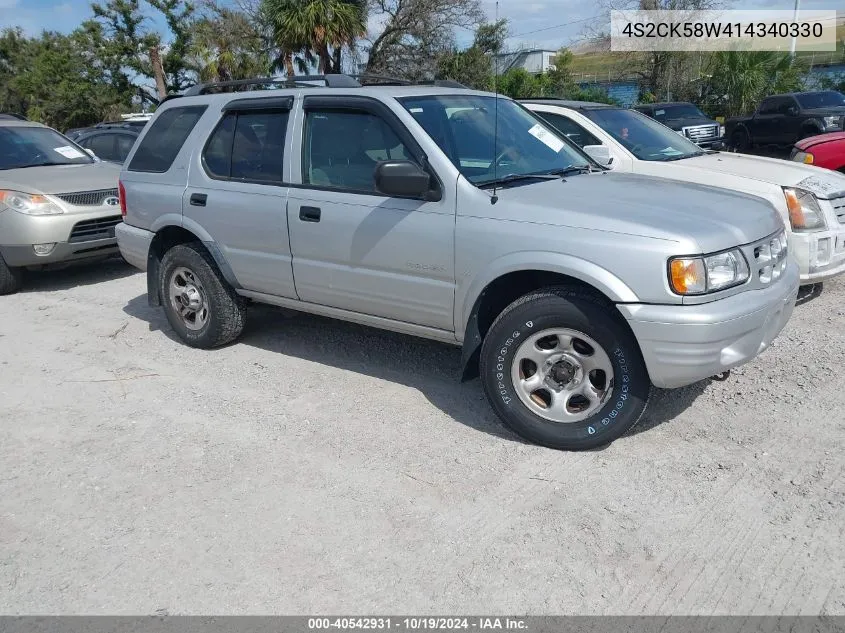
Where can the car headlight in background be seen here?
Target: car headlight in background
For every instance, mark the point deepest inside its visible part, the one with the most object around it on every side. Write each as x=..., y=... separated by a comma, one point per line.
x=29, y=204
x=802, y=157
x=721, y=131
x=708, y=273
x=832, y=122
x=804, y=211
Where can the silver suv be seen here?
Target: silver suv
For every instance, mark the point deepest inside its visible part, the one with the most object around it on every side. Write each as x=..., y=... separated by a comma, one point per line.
x=572, y=290
x=57, y=203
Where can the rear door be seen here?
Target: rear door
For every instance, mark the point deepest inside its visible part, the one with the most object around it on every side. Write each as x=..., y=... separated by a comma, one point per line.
x=237, y=193
x=763, y=124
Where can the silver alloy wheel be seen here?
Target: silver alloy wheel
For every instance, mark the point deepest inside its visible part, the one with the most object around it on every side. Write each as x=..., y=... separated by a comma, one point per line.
x=188, y=299
x=562, y=375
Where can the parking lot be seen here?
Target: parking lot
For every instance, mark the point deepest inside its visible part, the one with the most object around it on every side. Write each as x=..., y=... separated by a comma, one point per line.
x=317, y=466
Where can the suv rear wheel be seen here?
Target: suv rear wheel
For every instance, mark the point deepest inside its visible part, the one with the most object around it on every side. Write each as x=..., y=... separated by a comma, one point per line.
x=10, y=278
x=200, y=305
x=561, y=371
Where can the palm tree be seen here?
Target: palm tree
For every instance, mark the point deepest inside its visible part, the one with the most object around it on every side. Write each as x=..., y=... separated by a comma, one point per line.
x=315, y=29
x=742, y=78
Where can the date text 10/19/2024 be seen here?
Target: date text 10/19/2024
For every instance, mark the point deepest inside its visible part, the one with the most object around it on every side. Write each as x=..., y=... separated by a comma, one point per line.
x=418, y=623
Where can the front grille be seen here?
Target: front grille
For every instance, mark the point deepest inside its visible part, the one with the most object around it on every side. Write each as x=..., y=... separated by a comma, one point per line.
x=89, y=198
x=839, y=208
x=698, y=133
x=99, y=229
x=769, y=258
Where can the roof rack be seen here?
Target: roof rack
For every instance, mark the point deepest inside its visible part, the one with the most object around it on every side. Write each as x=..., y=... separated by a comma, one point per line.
x=385, y=80
x=301, y=81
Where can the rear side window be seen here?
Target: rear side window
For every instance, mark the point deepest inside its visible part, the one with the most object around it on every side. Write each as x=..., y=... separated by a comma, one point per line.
x=248, y=146
x=165, y=138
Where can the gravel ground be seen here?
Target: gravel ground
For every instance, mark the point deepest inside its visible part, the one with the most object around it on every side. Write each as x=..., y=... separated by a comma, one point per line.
x=318, y=466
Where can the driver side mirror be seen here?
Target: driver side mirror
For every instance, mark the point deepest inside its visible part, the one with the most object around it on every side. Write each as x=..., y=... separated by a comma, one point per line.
x=792, y=110
x=599, y=153
x=401, y=178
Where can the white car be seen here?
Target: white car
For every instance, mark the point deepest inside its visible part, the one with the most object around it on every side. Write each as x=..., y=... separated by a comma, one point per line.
x=810, y=200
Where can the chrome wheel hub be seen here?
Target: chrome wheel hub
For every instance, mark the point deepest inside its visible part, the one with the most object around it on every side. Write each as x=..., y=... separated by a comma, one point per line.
x=562, y=375
x=187, y=298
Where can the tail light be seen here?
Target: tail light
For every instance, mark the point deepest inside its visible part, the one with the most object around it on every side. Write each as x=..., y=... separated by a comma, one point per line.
x=121, y=194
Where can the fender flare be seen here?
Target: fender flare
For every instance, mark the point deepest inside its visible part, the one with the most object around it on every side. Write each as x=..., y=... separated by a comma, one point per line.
x=585, y=271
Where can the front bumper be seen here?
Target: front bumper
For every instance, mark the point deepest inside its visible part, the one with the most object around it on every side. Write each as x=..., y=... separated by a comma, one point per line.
x=683, y=344
x=820, y=255
x=710, y=143
x=19, y=232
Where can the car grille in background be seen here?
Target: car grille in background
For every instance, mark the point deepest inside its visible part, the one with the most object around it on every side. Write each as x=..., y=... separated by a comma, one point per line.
x=88, y=198
x=770, y=257
x=697, y=133
x=99, y=229
x=839, y=208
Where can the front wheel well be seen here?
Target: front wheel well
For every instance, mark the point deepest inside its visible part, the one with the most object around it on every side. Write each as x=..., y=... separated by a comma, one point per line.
x=497, y=296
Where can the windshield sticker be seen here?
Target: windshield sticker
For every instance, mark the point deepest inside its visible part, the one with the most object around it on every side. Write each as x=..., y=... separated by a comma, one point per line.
x=659, y=112
x=68, y=152
x=815, y=184
x=547, y=138
x=670, y=151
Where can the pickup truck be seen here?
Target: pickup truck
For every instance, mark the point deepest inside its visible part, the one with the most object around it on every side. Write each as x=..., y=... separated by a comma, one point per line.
x=688, y=121
x=785, y=119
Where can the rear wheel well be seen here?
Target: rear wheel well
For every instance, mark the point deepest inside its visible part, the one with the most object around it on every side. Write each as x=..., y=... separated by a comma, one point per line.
x=497, y=296
x=164, y=240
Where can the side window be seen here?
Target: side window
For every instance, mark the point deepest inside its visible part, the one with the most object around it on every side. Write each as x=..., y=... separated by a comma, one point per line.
x=248, y=146
x=768, y=106
x=342, y=149
x=102, y=145
x=785, y=105
x=569, y=129
x=123, y=145
x=165, y=138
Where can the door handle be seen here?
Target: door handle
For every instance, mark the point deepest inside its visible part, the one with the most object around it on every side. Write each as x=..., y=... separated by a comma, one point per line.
x=309, y=214
x=198, y=199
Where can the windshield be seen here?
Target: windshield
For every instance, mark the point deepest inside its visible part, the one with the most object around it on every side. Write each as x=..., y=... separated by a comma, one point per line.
x=643, y=137
x=22, y=146
x=682, y=111
x=827, y=99
x=464, y=127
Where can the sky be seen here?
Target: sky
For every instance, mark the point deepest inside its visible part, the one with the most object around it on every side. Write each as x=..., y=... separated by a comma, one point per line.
x=533, y=23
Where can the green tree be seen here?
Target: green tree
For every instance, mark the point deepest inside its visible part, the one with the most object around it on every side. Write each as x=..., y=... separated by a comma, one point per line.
x=317, y=29
x=228, y=45
x=473, y=67
x=16, y=53
x=739, y=79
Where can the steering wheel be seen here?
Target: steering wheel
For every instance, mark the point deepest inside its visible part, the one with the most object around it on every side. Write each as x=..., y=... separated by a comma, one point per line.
x=505, y=153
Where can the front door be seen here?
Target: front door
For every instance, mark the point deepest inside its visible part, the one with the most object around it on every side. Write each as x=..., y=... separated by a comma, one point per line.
x=354, y=248
x=236, y=194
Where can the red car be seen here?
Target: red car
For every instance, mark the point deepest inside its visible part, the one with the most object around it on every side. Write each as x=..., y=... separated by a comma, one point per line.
x=824, y=150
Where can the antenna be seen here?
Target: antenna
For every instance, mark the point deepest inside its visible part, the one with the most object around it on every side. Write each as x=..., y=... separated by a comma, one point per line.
x=496, y=59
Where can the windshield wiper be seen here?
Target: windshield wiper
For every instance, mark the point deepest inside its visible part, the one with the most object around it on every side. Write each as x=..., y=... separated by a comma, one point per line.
x=517, y=177
x=583, y=169
x=681, y=157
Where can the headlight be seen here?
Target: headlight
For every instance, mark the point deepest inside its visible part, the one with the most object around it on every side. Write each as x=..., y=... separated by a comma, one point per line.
x=831, y=122
x=803, y=157
x=721, y=131
x=30, y=204
x=804, y=211
x=710, y=273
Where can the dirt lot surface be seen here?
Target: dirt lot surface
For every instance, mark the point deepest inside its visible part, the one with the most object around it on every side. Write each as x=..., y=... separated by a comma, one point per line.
x=318, y=466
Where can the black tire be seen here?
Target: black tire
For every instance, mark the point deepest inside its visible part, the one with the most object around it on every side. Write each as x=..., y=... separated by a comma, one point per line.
x=740, y=140
x=562, y=307
x=10, y=278
x=226, y=314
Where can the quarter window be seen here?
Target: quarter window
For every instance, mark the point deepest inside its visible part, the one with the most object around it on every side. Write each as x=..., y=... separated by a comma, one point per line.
x=101, y=144
x=248, y=146
x=342, y=149
x=165, y=138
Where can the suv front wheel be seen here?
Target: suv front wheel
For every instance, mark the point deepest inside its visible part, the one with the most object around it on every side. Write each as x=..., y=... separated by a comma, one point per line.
x=562, y=371
x=10, y=278
x=200, y=305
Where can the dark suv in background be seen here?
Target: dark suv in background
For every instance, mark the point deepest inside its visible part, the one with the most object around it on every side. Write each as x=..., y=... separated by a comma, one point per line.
x=687, y=120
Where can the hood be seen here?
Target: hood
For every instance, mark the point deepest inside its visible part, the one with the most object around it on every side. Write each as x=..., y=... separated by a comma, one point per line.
x=823, y=183
x=61, y=178
x=810, y=141
x=678, y=124
x=701, y=218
